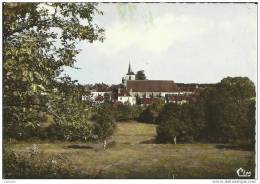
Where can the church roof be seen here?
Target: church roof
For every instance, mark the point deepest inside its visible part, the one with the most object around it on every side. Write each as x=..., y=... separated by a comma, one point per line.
x=152, y=86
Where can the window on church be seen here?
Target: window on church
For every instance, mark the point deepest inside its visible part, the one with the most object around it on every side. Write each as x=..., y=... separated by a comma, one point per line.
x=129, y=77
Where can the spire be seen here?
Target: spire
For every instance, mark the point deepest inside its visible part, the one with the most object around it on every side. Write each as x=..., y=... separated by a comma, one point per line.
x=130, y=72
x=129, y=68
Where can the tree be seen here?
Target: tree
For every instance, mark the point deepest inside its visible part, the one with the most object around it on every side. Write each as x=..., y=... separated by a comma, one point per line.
x=104, y=122
x=169, y=130
x=228, y=113
x=140, y=75
x=39, y=39
x=151, y=112
x=183, y=122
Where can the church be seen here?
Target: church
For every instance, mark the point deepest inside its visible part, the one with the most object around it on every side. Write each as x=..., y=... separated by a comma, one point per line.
x=150, y=90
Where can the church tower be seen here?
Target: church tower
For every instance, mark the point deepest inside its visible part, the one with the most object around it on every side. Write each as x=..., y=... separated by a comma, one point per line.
x=130, y=75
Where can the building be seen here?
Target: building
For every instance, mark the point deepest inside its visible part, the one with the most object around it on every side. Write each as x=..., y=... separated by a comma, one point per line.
x=149, y=90
x=125, y=98
x=98, y=95
x=130, y=76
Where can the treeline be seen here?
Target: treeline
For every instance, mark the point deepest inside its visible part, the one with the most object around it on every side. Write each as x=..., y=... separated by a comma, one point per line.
x=225, y=113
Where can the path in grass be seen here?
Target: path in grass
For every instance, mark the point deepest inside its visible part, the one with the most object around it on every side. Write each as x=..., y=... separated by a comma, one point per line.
x=135, y=155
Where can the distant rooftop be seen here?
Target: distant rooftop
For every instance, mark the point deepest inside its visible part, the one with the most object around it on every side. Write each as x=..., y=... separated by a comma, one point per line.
x=152, y=86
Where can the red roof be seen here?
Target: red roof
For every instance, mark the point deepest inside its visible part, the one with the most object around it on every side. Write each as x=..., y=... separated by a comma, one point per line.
x=123, y=92
x=151, y=86
x=99, y=98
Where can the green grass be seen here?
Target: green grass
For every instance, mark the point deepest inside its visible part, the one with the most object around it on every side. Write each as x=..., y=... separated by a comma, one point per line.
x=135, y=155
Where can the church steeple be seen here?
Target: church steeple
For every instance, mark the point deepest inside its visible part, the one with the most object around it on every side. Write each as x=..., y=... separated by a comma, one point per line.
x=130, y=72
x=129, y=76
x=129, y=68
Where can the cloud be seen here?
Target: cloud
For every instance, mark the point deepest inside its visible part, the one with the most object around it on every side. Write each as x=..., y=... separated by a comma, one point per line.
x=156, y=36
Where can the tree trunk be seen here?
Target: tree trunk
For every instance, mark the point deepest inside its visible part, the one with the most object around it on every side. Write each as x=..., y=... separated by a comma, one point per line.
x=175, y=140
x=105, y=144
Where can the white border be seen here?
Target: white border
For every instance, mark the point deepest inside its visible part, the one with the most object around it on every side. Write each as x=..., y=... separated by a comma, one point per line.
x=138, y=181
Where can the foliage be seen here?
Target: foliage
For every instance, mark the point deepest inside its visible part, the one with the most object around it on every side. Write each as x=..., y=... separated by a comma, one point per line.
x=39, y=39
x=140, y=75
x=104, y=122
x=33, y=164
x=122, y=112
x=225, y=113
x=183, y=121
x=230, y=111
x=151, y=112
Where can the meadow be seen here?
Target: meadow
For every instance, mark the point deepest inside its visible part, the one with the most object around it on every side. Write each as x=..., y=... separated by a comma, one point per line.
x=133, y=153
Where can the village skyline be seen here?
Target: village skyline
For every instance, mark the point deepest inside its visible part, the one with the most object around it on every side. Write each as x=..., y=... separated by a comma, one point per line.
x=186, y=43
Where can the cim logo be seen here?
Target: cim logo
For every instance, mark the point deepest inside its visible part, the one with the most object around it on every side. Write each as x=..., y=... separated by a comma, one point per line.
x=243, y=173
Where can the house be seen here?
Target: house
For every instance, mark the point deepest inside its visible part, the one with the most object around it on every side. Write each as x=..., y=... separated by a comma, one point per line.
x=98, y=95
x=125, y=98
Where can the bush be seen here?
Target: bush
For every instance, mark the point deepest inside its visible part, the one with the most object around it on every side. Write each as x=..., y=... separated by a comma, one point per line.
x=151, y=113
x=104, y=125
x=23, y=123
x=33, y=164
x=75, y=125
x=122, y=112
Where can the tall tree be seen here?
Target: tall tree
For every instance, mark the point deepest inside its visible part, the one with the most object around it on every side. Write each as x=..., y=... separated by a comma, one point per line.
x=228, y=112
x=39, y=39
x=140, y=75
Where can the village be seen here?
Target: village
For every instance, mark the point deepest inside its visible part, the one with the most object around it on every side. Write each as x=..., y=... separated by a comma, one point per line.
x=144, y=92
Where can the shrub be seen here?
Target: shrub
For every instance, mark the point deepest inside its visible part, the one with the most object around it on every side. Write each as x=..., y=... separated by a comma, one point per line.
x=151, y=113
x=33, y=164
x=71, y=131
x=74, y=126
x=104, y=122
x=23, y=123
x=122, y=112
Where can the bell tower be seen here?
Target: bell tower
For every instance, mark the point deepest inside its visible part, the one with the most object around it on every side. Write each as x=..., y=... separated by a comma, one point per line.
x=130, y=75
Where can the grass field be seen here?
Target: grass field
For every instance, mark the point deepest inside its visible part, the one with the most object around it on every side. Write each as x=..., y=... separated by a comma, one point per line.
x=135, y=155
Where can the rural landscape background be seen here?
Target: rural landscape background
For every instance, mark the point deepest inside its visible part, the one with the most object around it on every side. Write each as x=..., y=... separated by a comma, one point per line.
x=59, y=123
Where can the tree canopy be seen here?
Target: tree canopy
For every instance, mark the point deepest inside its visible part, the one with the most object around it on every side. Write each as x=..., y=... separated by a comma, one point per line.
x=39, y=39
x=140, y=75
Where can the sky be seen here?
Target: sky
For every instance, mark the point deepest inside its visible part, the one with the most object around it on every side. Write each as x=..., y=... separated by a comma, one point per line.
x=183, y=42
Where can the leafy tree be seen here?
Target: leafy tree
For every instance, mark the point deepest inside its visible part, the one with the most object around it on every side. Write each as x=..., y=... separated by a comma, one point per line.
x=140, y=75
x=122, y=112
x=237, y=88
x=104, y=125
x=250, y=131
x=151, y=113
x=225, y=113
x=39, y=39
x=183, y=121
x=170, y=129
x=227, y=109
